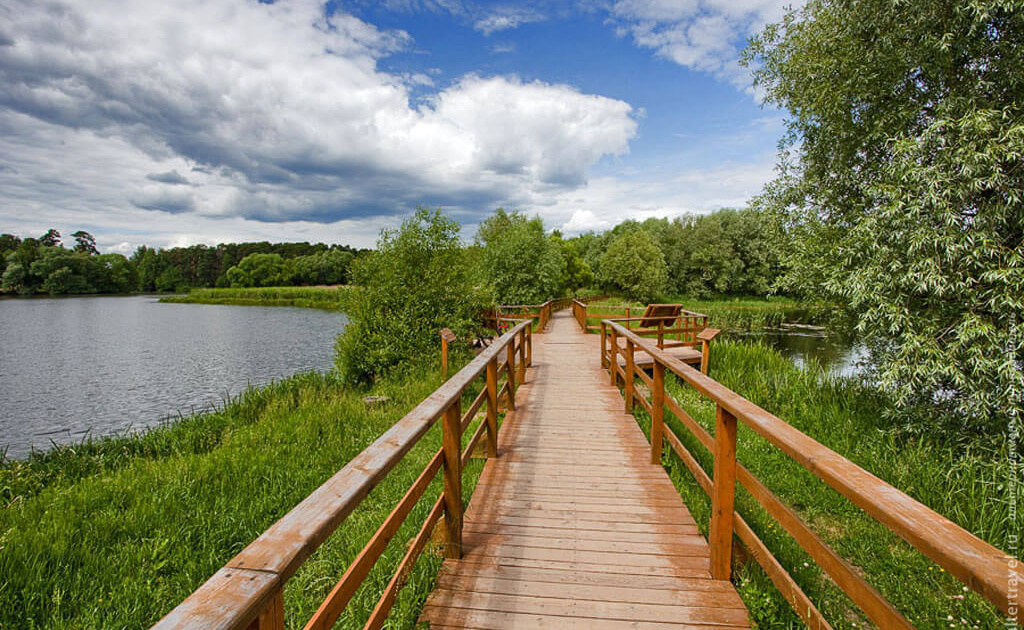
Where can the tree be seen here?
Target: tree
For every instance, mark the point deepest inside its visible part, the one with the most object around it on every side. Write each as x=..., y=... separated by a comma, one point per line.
x=634, y=264
x=577, y=272
x=260, y=270
x=417, y=282
x=50, y=239
x=520, y=263
x=899, y=190
x=85, y=243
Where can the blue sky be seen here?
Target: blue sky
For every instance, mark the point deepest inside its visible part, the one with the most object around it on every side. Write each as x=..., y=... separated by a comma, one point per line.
x=229, y=120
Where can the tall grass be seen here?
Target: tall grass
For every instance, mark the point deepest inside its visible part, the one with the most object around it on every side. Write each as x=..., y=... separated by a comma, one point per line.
x=965, y=482
x=330, y=298
x=115, y=533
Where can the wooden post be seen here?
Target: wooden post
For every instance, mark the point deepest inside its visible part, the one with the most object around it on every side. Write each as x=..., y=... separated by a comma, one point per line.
x=451, y=440
x=613, y=362
x=510, y=372
x=604, y=345
x=521, y=375
x=446, y=336
x=492, y=407
x=661, y=333
x=529, y=346
x=628, y=376
x=723, y=495
x=657, y=411
x=271, y=617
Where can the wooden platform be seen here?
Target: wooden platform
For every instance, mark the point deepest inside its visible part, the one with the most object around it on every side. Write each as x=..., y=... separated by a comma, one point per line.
x=570, y=526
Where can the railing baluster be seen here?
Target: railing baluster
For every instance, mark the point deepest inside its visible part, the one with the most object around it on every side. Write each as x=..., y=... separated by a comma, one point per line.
x=529, y=346
x=723, y=495
x=604, y=345
x=628, y=375
x=521, y=372
x=510, y=373
x=452, y=445
x=271, y=617
x=492, y=408
x=657, y=411
x=613, y=362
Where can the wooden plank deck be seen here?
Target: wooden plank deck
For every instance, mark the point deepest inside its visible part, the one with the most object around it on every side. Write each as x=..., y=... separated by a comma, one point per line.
x=570, y=526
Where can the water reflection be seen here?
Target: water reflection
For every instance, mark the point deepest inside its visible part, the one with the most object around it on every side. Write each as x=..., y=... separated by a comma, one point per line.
x=835, y=348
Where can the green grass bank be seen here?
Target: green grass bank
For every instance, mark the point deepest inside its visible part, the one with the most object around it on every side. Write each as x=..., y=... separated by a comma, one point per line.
x=963, y=479
x=115, y=532
x=328, y=298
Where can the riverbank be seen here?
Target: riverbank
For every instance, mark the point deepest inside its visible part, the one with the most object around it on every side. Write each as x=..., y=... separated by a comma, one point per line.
x=116, y=532
x=963, y=479
x=327, y=298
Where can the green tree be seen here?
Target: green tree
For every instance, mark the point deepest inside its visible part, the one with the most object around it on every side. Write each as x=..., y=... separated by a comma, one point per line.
x=261, y=270
x=900, y=187
x=634, y=264
x=85, y=243
x=327, y=267
x=577, y=272
x=50, y=239
x=521, y=264
x=416, y=282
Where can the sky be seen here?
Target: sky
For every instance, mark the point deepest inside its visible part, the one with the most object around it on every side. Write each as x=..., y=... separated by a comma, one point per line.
x=206, y=121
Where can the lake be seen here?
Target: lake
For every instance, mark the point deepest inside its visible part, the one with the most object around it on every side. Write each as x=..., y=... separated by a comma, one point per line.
x=79, y=365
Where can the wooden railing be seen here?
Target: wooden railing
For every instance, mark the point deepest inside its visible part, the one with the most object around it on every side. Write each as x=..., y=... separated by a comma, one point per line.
x=515, y=312
x=247, y=592
x=584, y=314
x=977, y=564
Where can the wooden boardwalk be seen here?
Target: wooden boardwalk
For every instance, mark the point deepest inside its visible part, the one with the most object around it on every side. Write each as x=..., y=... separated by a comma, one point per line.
x=570, y=526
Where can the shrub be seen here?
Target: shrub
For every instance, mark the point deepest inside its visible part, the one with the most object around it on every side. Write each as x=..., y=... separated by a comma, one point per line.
x=417, y=281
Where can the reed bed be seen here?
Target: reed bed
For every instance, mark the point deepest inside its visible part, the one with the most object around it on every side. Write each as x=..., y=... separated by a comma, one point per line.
x=114, y=533
x=328, y=298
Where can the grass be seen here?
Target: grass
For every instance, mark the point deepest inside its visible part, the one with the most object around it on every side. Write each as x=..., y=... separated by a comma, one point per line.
x=328, y=298
x=115, y=532
x=737, y=314
x=961, y=480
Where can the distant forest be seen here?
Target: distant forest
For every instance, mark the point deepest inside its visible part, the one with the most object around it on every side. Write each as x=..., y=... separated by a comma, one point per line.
x=727, y=252
x=46, y=264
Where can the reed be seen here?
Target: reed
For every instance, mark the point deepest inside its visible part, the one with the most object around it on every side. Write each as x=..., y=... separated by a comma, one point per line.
x=329, y=298
x=113, y=533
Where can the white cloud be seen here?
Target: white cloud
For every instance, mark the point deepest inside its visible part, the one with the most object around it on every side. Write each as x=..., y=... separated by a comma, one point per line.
x=506, y=18
x=206, y=120
x=607, y=201
x=705, y=35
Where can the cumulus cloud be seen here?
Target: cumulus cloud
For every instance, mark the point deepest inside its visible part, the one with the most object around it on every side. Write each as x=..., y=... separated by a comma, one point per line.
x=276, y=113
x=705, y=35
x=607, y=201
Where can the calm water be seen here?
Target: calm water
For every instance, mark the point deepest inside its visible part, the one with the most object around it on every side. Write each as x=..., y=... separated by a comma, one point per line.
x=71, y=366
x=836, y=350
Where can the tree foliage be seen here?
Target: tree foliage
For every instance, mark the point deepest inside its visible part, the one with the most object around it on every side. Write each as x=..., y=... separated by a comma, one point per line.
x=417, y=282
x=520, y=264
x=900, y=187
x=634, y=264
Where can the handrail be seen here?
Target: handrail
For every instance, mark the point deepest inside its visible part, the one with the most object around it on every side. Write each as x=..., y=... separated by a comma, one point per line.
x=540, y=312
x=979, y=565
x=248, y=589
x=583, y=312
